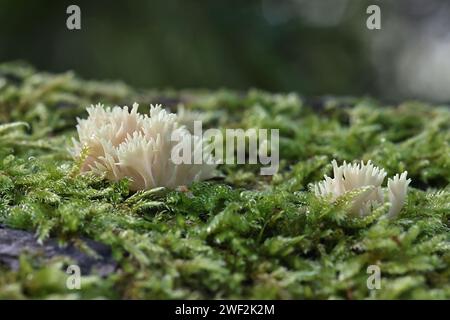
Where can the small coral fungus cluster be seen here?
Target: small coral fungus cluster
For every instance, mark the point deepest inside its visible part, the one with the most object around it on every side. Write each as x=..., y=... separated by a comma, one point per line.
x=118, y=142
x=368, y=178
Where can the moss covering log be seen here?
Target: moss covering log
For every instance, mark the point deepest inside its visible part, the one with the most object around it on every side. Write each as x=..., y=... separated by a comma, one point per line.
x=240, y=236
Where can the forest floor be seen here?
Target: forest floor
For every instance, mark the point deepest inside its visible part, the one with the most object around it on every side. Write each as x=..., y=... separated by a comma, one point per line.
x=241, y=235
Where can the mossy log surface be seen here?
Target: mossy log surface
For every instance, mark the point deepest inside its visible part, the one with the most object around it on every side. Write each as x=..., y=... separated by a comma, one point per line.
x=242, y=235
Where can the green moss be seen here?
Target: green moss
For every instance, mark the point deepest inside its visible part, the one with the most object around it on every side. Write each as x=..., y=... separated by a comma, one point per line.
x=246, y=235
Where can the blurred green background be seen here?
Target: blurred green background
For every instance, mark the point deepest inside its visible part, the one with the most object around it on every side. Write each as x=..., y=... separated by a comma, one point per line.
x=314, y=47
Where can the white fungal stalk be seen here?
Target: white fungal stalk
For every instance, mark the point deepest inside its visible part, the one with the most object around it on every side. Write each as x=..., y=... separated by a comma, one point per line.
x=349, y=177
x=122, y=143
x=397, y=188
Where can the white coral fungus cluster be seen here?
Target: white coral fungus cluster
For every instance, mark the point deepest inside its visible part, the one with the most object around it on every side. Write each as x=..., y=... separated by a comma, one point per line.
x=349, y=177
x=119, y=143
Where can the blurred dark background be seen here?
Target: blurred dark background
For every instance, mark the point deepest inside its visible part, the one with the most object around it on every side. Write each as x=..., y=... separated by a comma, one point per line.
x=314, y=47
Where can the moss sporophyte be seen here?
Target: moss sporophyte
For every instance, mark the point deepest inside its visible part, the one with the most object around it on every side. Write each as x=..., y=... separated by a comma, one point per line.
x=240, y=234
